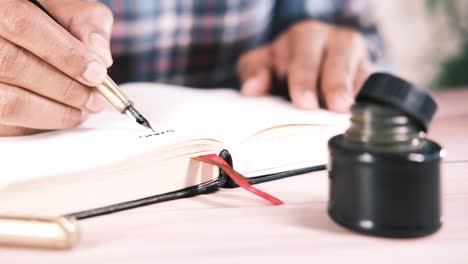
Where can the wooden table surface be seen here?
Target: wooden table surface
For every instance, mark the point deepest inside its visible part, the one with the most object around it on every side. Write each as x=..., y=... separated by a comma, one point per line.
x=232, y=226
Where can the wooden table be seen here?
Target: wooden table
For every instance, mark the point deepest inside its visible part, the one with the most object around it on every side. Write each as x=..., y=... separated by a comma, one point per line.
x=232, y=226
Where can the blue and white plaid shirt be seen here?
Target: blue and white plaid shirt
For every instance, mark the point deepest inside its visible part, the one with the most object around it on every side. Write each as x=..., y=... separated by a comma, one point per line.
x=198, y=42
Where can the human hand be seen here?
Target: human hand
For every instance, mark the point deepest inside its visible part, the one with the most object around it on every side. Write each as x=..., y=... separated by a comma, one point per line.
x=46, y=73
x=311, y=54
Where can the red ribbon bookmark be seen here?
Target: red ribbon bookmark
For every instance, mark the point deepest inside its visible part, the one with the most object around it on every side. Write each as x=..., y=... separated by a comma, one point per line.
x=216, y=160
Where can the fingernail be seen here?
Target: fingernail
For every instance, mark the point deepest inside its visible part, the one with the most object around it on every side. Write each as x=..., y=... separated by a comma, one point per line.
x=308, y=100
x=96, y=103
x=95, y=73
x=101, y=45
x=250, y=87
x=84, y=116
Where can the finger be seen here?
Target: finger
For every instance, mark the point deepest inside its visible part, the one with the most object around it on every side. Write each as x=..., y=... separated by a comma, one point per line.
x=344, y=52
x=254, y=71
x=19, y=107
x=20, y=68
x=280, y=55
x=257, y=84
x=11, y=131
x=90, y=22
x=306, y=50
x=27, y=26
x=366, y=68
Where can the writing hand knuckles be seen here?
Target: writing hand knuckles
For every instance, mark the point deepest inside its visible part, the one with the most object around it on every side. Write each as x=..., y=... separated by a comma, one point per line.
x=13, y=62
x=73, y=58
x=69, y=117
x=15, y=18
x=10, y=103
x=73, y=94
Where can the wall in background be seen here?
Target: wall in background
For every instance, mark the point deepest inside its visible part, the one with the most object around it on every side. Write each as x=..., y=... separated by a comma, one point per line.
x=417, y=40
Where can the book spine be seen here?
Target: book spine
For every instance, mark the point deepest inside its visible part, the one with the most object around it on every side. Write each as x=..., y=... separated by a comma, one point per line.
x=204, y=188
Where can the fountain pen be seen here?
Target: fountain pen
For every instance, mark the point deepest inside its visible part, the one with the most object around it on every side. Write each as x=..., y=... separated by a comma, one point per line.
x=120, y=101
x=111, y=91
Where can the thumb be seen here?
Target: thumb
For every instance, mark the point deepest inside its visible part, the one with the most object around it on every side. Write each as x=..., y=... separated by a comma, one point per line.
x=90, y=22
x=255, y=71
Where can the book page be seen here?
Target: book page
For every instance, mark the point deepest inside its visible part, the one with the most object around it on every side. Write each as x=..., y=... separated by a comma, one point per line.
x=177, y=114
x=106, y=138
x=221, y=114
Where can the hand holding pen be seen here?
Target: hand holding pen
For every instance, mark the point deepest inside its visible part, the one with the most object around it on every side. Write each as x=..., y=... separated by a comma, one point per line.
x=48, y=72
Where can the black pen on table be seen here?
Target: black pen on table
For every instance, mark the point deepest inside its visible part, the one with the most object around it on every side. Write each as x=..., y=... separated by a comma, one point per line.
x=111, y=91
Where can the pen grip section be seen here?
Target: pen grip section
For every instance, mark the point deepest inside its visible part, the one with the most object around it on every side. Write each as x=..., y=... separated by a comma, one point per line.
x=113, y=94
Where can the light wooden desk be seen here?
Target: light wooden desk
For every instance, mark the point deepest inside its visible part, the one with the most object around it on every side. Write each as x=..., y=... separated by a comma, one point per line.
x=232, y=226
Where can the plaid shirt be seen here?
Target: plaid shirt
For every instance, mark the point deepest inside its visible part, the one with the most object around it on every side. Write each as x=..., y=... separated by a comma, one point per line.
x=197, y=42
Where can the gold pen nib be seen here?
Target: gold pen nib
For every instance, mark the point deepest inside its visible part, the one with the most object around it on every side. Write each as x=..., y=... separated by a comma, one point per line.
x=139, y=118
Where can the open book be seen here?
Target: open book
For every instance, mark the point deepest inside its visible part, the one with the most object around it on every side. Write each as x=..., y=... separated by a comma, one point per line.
x=109, y=163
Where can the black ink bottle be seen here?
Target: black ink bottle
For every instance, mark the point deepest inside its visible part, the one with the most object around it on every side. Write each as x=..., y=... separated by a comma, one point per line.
x=384, y=173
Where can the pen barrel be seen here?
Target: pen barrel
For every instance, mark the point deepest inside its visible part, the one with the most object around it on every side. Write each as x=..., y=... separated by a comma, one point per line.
x=113, y=94
x=35, y=232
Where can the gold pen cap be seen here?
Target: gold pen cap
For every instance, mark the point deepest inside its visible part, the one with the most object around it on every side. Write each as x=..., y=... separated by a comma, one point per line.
x=111, y=91
x=47, y=233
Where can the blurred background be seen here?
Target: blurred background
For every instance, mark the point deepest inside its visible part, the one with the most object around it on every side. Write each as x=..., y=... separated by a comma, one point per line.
x=426, y=40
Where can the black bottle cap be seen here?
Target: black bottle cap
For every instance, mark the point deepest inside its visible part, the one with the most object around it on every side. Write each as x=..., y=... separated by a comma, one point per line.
x=385, y=88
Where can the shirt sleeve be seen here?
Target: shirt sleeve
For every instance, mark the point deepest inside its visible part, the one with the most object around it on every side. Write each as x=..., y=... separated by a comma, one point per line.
x=356, y=14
